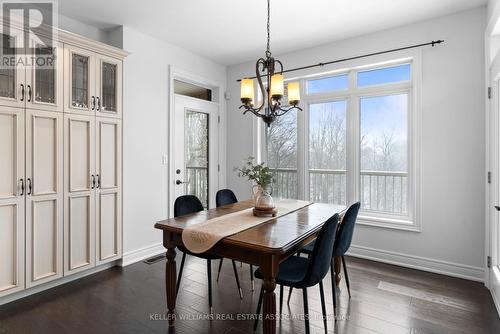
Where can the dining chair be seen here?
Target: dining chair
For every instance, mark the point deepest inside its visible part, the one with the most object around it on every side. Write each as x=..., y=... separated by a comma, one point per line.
x=185, y=205
x=225, y=197
x=302, y=273
x=343, y=241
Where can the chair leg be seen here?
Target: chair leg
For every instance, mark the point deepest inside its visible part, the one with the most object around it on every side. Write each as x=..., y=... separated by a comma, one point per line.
x=306, y=310
x=218, y=272
x=334, y=287
x=323, y=306
x=259, y=305
x=209, y=274
x=237, y=279
x=281, y=299
x=346, y=277
x=251, y=278
x=180, y=273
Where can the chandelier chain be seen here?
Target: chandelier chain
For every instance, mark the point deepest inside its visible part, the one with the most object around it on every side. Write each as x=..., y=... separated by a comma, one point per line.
x=268, y=51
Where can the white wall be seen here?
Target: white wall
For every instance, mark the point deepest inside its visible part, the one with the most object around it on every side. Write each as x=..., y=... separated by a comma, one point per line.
x=145, y=131
x=453, y=148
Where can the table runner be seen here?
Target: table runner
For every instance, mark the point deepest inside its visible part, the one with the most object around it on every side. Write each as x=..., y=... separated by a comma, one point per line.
x=201, y=237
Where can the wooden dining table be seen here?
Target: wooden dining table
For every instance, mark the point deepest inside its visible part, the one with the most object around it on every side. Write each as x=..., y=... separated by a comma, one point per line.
x=265, y=245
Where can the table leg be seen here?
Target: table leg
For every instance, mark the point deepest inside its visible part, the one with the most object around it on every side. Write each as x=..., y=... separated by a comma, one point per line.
x=269, y=270
x=269, y=312
x=170, y=278
x=338, y=263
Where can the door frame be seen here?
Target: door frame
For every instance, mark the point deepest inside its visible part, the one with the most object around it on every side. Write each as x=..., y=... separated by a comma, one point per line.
x=176, y=73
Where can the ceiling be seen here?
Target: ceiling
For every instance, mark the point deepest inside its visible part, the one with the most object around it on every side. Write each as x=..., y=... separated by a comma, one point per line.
x=234, y=31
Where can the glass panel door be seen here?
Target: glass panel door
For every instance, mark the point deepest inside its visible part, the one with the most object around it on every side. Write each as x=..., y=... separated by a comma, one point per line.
x=196, y=150
x=109, y=91
x=79, y=73
x=12, y=86
x=44, y=78
x=80, y=81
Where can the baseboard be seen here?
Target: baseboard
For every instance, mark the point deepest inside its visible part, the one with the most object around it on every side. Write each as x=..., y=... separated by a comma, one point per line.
x=57, y=282
x=142, y=254
x=420, y=263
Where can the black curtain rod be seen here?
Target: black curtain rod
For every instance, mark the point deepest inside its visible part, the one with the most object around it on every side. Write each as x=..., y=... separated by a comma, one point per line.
x=358, y=57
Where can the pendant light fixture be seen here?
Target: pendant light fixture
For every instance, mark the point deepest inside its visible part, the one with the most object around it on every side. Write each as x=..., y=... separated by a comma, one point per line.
x=272, y=70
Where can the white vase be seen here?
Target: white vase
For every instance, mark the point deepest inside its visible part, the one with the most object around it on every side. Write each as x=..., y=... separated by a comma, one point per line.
x=262, y=197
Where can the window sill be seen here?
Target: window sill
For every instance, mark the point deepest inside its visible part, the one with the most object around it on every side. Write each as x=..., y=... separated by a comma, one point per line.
x=391, y=223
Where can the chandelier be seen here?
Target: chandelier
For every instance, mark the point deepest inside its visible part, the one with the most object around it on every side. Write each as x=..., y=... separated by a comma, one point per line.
x=271, y=69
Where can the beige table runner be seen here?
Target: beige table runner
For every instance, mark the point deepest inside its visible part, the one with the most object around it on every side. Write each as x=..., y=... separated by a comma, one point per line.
x=201, y=237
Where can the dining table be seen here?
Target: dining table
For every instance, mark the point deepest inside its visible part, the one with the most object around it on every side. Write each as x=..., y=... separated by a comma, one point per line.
x=265, y=245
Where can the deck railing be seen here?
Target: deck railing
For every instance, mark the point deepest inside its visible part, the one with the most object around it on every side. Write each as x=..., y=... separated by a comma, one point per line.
x=384, y=191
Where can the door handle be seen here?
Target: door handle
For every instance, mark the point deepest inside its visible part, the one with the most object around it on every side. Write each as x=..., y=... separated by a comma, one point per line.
x=93, y=102
x=98, y=103
x=98, y=181
x=178, y=182
x=22, y=187
x=29, y=93
x=30, y=186
x=22, y=92
x=92, y=184
x=497, y=207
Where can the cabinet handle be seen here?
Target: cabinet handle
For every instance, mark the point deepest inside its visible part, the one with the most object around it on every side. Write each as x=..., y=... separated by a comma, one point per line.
x=93, y=182
x=22, y=92
x=93, y=102
x=98, y=181
x=30, y=186
x=29, y=93
x=22, y=187
x=98, y=103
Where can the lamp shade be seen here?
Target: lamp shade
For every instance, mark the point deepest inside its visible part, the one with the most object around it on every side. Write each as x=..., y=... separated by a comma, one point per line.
x=293, y=92
x=247, y=92
x=277, y=85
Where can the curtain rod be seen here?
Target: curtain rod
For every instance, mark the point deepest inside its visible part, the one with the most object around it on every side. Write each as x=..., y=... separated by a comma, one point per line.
x=433, y=43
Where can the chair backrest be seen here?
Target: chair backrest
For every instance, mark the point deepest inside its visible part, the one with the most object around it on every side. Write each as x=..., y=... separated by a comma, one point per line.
x=322, y=253
x=224, y=197
x=346, y=230
x=187, y=204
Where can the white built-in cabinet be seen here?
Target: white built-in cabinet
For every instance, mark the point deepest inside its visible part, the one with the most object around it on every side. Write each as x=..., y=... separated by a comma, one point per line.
x=61, y=163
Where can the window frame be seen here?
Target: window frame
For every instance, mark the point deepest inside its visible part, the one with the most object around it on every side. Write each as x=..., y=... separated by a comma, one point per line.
x=353, y=95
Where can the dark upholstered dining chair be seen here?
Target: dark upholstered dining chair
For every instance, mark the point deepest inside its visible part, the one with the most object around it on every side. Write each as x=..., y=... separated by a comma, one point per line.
x=302, y=273
x=185, y=205
x=225, y=197
x=343, y=241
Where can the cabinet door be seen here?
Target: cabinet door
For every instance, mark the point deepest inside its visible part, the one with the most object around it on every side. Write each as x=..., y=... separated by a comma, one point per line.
x=109, y=185
x=109, y=87
x=44, y=80
x=44, y=195
x=79, y=73
x=11, y=200
x=79, y=193
x=12, y=74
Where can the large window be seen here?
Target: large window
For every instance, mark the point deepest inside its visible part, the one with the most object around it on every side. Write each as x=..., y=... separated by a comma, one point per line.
x=354, y=141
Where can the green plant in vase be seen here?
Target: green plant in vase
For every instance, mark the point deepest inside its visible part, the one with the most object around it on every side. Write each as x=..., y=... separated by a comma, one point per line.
x=261, y=176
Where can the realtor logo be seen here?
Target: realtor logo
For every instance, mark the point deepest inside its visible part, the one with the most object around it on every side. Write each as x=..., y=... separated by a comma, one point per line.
x=27, y=32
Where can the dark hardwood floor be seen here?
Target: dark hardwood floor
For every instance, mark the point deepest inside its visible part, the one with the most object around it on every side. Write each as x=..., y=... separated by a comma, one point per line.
x=385, y=299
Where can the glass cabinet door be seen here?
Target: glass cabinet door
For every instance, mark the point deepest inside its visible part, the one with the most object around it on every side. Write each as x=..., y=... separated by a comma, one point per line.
x=109, y=80
x=12, y=85
x=80, y=81
x=44, y=85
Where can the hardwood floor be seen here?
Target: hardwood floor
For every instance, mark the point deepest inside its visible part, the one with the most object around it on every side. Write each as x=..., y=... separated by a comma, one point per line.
x=385, y=299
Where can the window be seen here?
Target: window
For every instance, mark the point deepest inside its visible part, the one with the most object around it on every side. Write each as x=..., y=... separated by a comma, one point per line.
x=328, y=84
x=354, y=141
x=327, y=152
